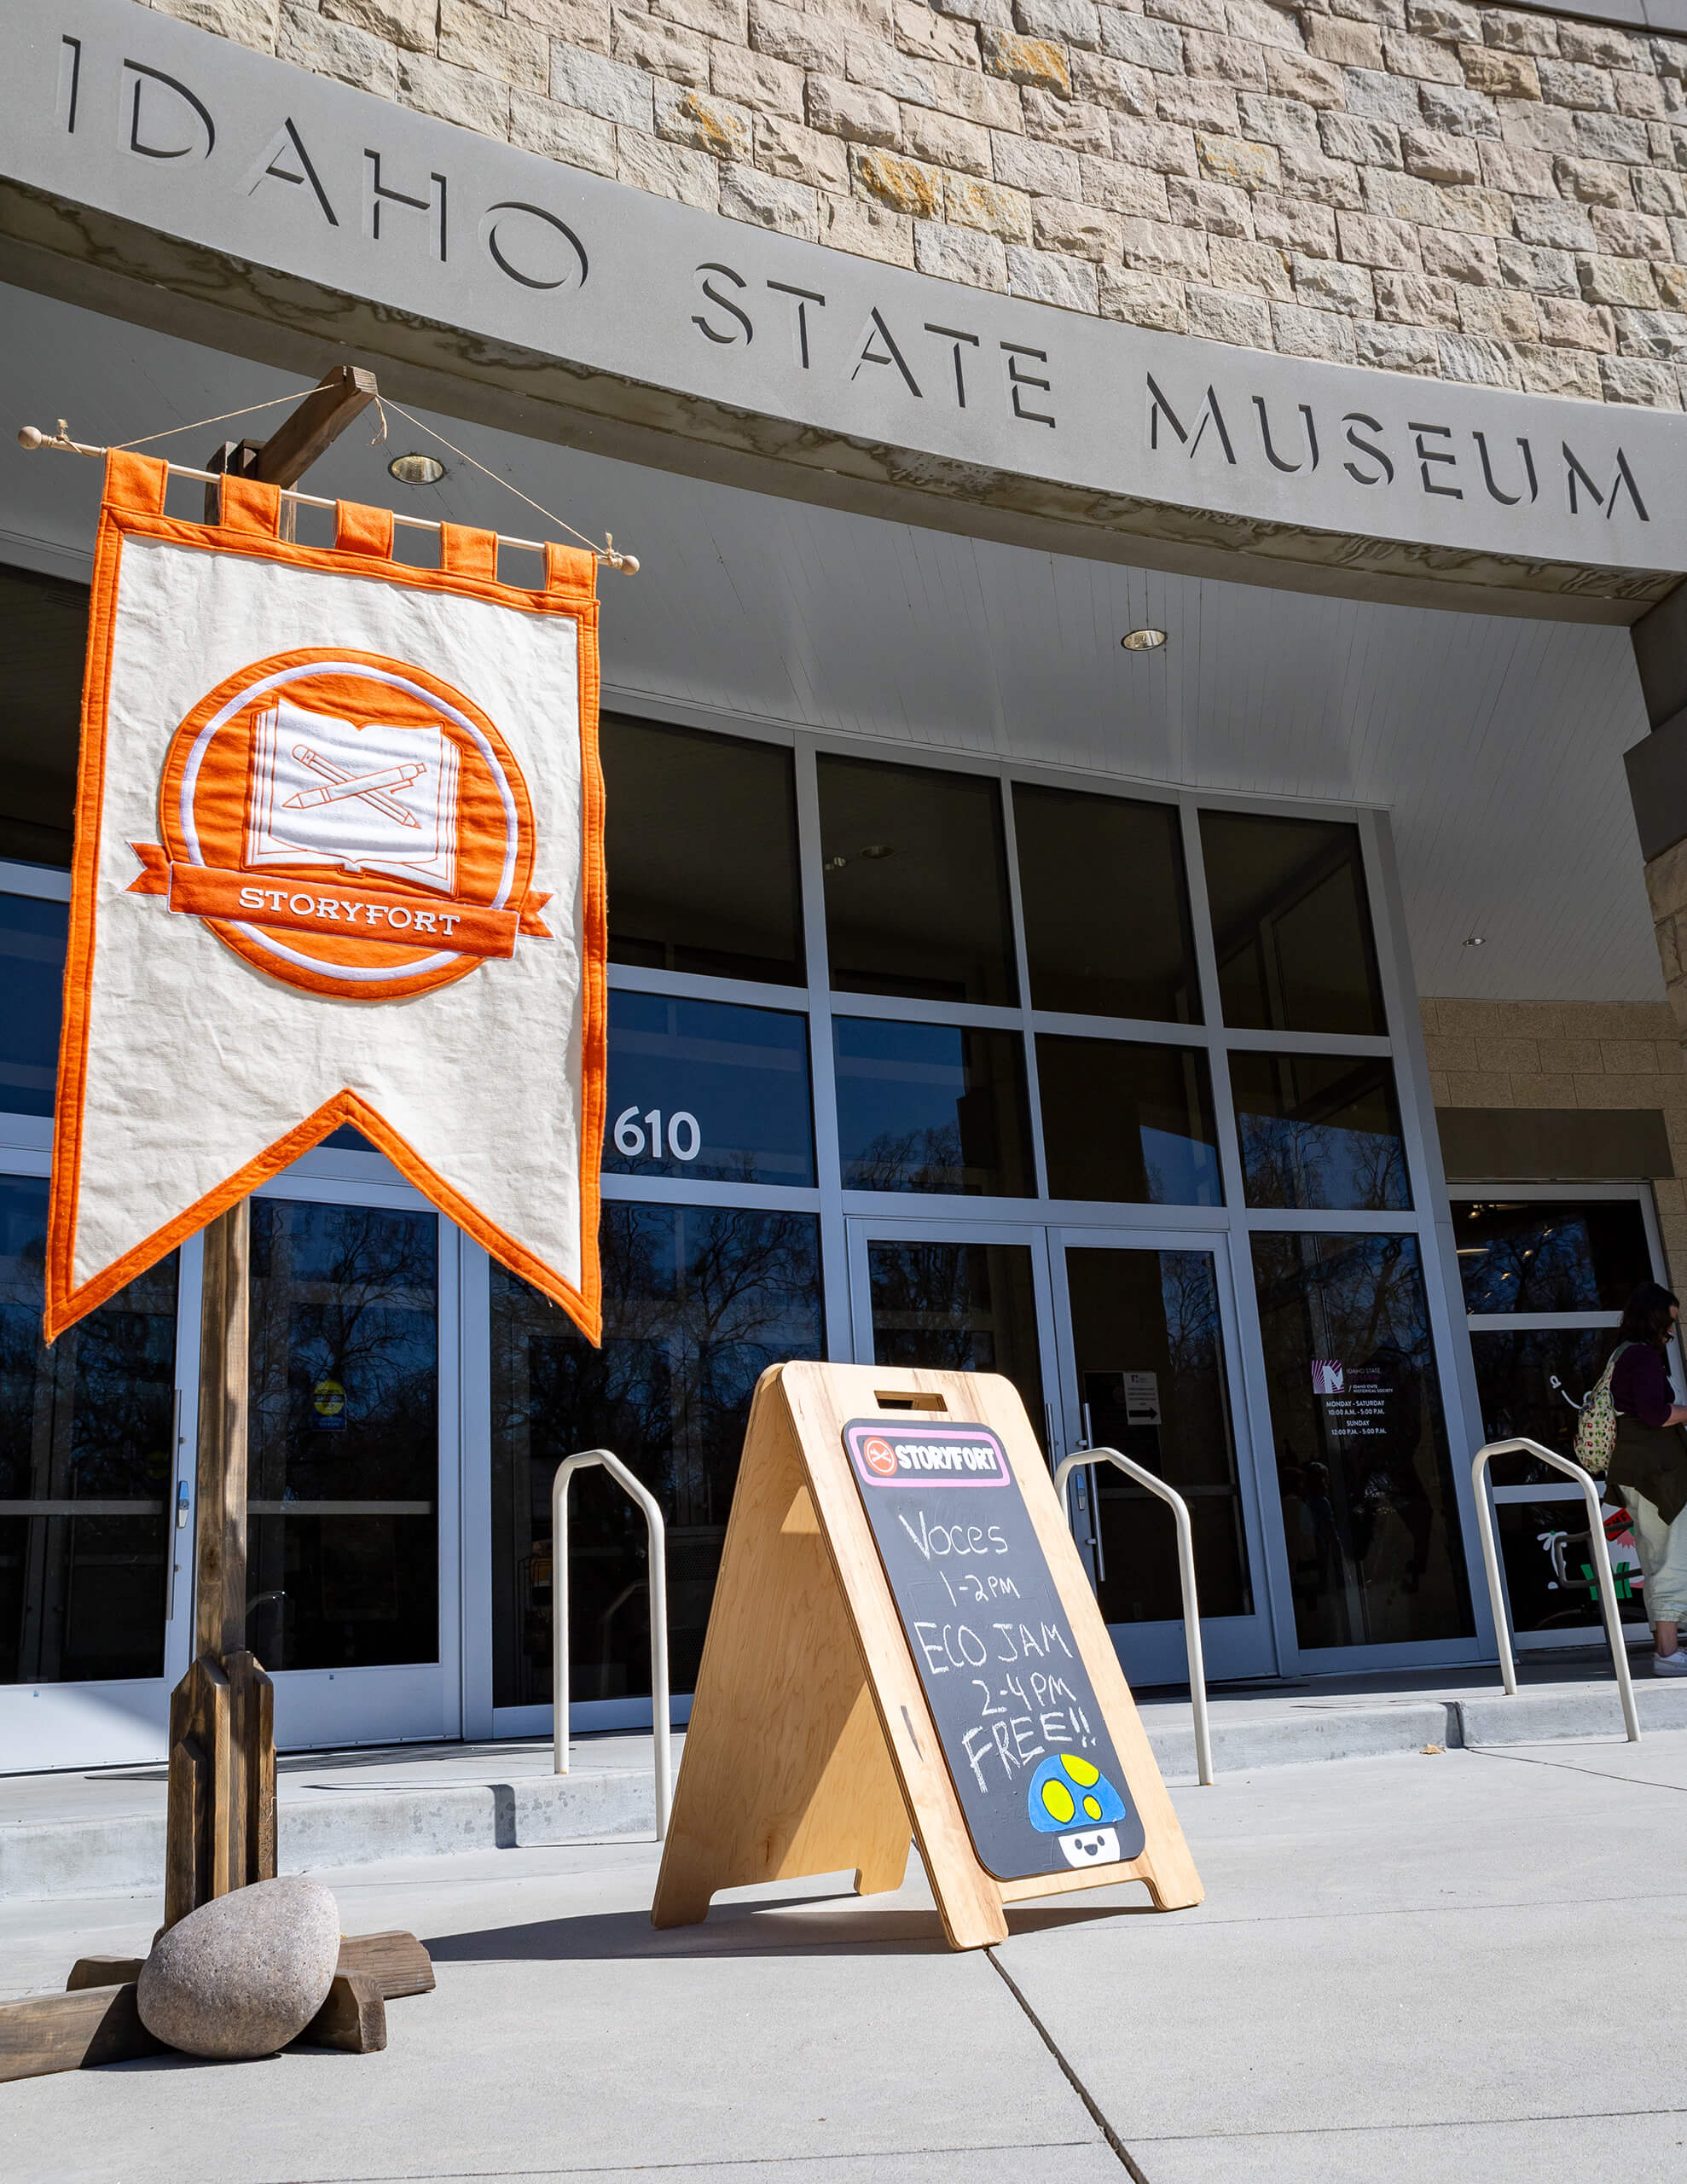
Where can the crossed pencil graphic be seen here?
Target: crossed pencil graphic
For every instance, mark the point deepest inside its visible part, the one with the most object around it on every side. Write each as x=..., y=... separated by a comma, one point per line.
x=372, y=787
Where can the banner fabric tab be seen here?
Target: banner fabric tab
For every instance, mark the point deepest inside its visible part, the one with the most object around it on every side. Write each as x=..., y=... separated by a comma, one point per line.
x=338, y=860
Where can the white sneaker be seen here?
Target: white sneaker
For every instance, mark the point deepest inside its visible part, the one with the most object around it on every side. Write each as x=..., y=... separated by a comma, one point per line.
x=1674, y=1664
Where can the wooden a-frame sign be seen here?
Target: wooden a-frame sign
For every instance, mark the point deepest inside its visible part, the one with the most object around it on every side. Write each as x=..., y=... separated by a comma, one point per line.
x=827, y=1726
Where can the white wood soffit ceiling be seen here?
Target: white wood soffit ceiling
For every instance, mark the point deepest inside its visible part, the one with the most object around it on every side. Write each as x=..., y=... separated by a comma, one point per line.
x=1494, y=743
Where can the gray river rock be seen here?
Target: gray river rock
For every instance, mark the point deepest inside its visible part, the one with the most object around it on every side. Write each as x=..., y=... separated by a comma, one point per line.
x=244, y=1974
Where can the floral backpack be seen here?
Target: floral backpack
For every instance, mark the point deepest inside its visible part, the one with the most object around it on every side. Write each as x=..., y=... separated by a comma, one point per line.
x=1596, y=1428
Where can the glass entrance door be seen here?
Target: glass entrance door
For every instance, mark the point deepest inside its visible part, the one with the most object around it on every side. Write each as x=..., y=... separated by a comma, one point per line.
x=963, y=1297
x=1129, y=1343
x=1147, y=1366
x=351, y=1567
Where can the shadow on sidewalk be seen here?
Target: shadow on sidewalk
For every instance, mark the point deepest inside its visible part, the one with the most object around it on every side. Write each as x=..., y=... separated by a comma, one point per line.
x=843, y=1926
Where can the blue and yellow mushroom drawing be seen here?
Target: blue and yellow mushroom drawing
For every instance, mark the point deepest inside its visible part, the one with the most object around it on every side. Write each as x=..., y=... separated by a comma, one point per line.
x=1070, y=1798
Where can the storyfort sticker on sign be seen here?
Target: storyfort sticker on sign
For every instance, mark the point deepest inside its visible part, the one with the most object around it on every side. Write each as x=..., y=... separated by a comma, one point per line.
x=338, y=860
x=1040, y=1785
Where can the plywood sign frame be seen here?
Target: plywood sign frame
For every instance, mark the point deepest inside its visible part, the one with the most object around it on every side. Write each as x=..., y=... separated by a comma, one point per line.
x=812, y=1748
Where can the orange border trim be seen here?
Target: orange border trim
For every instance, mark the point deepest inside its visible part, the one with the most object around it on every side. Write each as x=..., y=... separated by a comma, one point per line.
x=134, y=505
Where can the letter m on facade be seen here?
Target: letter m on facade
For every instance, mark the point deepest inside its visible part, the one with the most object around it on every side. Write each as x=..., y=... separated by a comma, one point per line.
x=1208, y=414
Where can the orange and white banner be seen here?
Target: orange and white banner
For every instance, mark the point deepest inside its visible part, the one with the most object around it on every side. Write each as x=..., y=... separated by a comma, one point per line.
x=338, y=859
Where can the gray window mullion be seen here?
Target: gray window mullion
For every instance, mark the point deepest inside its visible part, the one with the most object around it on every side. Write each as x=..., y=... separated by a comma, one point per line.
x=822, y=1072
x=1027, y=1035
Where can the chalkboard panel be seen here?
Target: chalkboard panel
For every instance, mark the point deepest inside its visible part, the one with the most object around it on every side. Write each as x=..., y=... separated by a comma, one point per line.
x=1038, y=1781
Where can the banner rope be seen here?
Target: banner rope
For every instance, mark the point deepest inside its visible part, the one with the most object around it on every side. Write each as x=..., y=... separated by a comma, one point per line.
x=462, y=456
x=32, y=436
x=382, y=405
x=250, y=409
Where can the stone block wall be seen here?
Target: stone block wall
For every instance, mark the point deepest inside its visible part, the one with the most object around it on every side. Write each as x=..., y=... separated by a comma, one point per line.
x=1477, y=194
x=1570, y=1054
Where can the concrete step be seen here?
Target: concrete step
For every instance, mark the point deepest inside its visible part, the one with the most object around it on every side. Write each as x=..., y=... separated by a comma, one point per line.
x=357, y=1826
x=363, y=1822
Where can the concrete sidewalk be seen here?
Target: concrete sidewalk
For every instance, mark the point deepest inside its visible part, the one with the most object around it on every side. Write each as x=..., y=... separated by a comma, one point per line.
x=76, y=1831
x=1415, y=1970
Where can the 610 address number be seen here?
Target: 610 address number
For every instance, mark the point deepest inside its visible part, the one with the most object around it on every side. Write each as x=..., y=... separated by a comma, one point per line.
x=685, y=1139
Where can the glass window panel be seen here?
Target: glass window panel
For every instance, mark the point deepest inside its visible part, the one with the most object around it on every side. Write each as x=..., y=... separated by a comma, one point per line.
x=1291, y=924
x=698, y=1088
x=916, y=883
x=45, y=624
x=1515, y=1373
x=1544, y=1545
x=88, y=1422
x=32, y=983
x=1530, y=1256
x=931, y=1107
x=1319, y=1130
x=1127, y=1121
x=343, y=1555
x=960, y=1308
x=1106, y=906
x=701, y=843
x=1368, y=1502
x=697, y=1304
x=1149, y=1353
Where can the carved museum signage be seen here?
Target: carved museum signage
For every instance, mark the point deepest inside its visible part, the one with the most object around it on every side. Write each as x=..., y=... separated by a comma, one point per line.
x=110, y=106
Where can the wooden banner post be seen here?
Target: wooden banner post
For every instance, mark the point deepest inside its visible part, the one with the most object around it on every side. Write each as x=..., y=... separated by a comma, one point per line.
x=904, y=1644
x=220, y=1830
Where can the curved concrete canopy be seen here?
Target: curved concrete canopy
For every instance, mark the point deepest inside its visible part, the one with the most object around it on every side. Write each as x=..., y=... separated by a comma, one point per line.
x=158, y=170
x=1494, y=746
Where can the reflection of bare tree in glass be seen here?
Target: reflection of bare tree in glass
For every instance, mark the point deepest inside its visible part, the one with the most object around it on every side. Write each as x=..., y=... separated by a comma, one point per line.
x=344, y=1294
x=1196, y=1424
x=961, y=1308
x=931, y=1306
x=1360, y=1301
x=1377, y=1160
x=1283, y=1161
x=81, y=1596
x=1290, y=1161
x=698, y=1303
x=918, y=1160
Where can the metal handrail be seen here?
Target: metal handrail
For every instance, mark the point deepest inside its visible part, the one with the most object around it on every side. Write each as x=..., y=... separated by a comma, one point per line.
x=658, y=1619
x=1602, y=1565
x=1185, y=1560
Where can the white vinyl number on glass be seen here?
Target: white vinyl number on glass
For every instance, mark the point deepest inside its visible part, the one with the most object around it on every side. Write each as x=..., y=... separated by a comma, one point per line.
x=685, y=1138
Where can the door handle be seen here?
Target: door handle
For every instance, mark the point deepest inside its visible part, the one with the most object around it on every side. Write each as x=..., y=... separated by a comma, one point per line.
x=171, y=1539
x=1094, y=1505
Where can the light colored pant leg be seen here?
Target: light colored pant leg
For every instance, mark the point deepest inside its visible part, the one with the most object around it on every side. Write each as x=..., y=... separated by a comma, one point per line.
x=1663, y=1559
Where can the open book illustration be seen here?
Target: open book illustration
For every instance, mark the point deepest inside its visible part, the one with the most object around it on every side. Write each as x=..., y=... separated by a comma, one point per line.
x=369, y=796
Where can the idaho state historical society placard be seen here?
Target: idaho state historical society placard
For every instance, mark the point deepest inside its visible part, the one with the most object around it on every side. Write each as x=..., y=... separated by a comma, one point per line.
x=1038, y=1781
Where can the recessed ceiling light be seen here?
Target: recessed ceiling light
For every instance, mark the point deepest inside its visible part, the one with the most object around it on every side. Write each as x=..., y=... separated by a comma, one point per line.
x=1143, y=640
x=1476, y=940
x=877, y=850
x=416, y=469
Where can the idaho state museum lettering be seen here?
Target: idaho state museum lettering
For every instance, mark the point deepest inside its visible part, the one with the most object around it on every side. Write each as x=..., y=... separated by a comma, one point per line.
x=129, y=110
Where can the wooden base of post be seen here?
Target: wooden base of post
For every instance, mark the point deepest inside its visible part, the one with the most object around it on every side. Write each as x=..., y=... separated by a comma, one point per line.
x=96, y=2020
x=353, y=2018
x=220, y=1833
x=72, y=2032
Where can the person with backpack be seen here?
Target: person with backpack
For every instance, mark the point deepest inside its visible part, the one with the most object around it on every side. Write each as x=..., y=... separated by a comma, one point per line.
x=1646, y=1456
